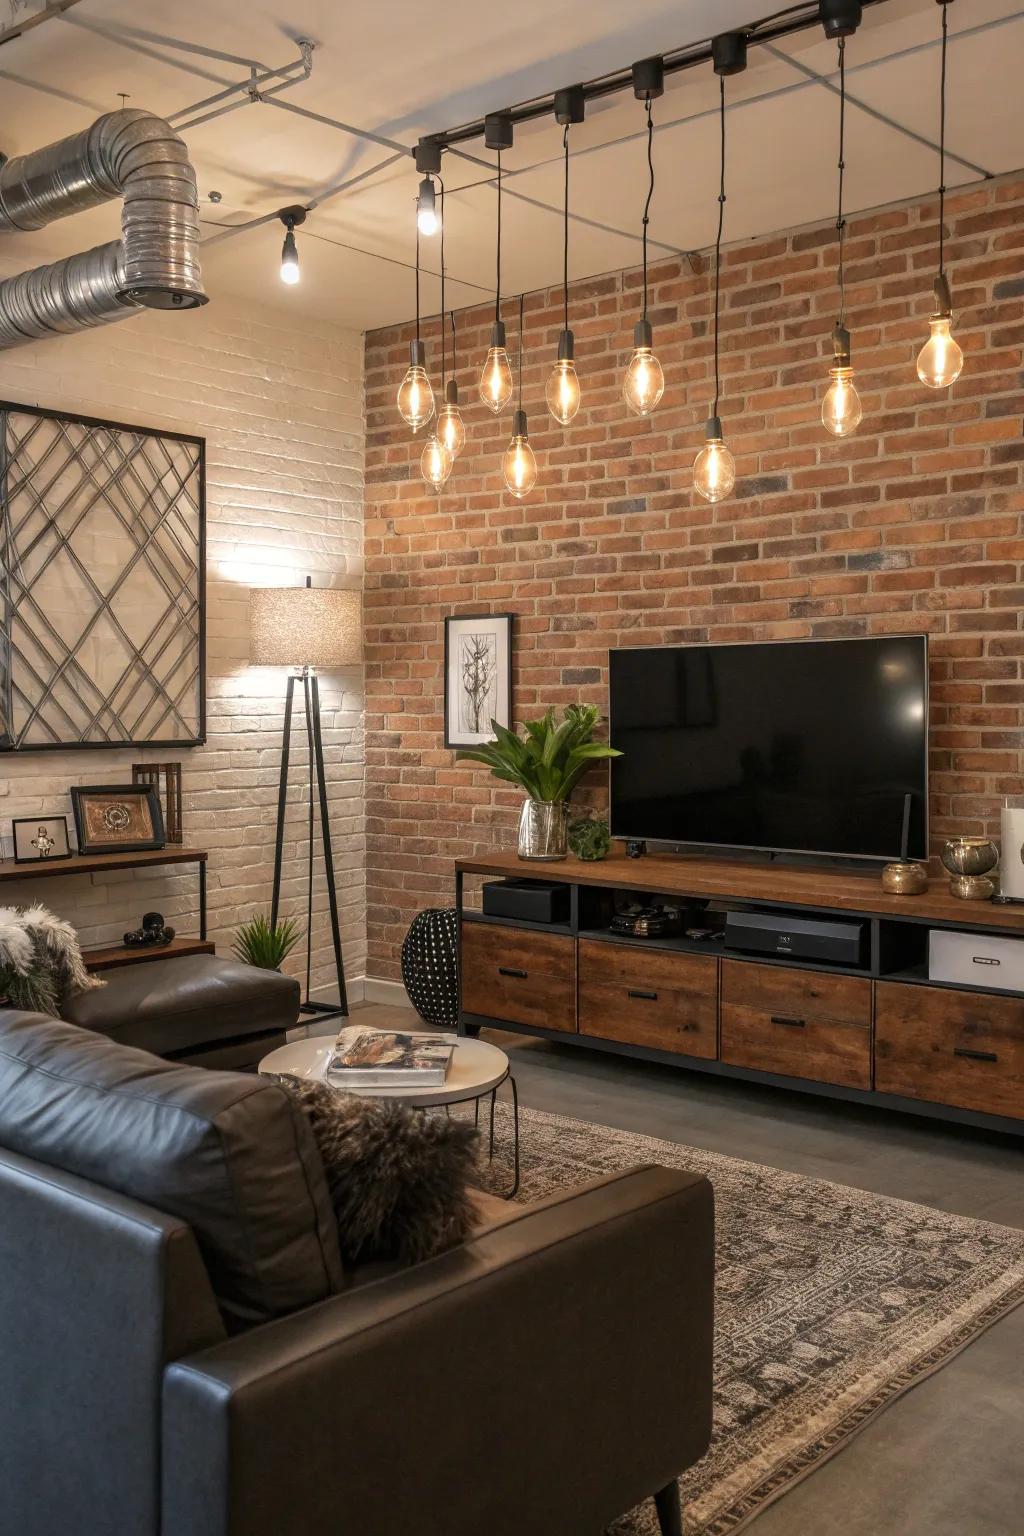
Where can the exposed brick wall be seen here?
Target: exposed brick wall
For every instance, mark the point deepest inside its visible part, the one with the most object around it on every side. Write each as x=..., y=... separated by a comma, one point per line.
x=281, y=406
x=914, y=524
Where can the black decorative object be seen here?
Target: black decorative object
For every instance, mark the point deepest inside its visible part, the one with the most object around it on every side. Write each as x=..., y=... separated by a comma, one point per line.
x=430, y=966
x=153, y=931
x=102, y=583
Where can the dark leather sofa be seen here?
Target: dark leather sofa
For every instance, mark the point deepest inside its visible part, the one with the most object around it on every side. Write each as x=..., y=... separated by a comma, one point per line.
x=182, y=1353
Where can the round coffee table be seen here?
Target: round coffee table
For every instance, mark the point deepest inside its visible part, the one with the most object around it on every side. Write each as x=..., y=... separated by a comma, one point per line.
x=477, y=1070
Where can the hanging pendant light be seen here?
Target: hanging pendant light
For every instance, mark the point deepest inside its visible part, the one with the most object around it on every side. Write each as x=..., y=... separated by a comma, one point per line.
x=291, y=218
x=644, y=382
x=427, y=155
x=841, y=409
x=415, y=396
x=940, y=359
x=496, y=380
x=451, y=428
x=436, y=460
x=562, y=392
x=714, y=469
x=519, y=466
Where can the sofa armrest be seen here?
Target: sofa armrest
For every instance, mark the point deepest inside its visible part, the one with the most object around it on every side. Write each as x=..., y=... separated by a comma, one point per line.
x=543, y=1377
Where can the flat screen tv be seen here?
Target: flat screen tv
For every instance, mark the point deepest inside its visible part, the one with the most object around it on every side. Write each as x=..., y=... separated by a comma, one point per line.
x=803, y=746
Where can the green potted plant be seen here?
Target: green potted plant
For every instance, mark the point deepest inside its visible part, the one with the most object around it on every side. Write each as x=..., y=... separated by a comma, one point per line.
x=548, y=762
x=259, y=944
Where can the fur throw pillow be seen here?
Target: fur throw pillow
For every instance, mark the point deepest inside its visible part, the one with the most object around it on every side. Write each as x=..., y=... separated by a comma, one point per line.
x=400, y=1181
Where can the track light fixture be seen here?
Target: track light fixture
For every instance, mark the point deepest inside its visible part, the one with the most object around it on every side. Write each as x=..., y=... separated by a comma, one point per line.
x=496, y=380
x=563, y=386
x=415, y=396
x=426, y=208
x=437, y=459
x=841, y=409
x=940, y=359
x=714, y=469
x=519, y=466
x=644, y=383
x=291, y=218
x=840, y=18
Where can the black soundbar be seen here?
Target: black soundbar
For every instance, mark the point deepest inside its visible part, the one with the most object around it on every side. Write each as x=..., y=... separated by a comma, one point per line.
x=803, y=938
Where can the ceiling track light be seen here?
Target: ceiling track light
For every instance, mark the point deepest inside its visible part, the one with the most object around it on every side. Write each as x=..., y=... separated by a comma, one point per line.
x=437, y=459
x=841, y=18
x=714, y=469
x=427, y=155
x=291, y=218
x=841, y=409
x=563, y=387
x=415, y=395
x=644, y=381
x=940, y=360
x=496, y=379
x=518, y=465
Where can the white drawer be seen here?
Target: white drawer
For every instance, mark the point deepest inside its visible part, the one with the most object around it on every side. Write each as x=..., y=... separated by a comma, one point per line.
x=976, y=960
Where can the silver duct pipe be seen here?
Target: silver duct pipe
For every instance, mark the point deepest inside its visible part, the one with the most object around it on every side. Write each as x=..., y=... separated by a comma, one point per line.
x=155, y=264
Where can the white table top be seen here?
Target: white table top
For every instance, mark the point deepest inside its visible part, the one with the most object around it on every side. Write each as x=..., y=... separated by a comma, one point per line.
x=475, y=1069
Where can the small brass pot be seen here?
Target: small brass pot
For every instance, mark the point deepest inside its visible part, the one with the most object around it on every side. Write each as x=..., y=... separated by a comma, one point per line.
x=905, y=878
x=972, y=887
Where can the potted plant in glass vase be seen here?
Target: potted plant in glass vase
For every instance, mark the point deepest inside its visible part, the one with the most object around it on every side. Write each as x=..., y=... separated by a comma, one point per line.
x=548, y=762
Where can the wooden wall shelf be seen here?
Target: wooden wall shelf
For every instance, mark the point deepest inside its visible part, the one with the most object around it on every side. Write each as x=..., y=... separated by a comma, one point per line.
x=879, y=1031
x=100, y=863
x=108, y=957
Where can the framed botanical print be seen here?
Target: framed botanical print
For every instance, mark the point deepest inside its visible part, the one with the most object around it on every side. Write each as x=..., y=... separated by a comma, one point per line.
x=477, y=677
x=117, y=818
x=40, y=837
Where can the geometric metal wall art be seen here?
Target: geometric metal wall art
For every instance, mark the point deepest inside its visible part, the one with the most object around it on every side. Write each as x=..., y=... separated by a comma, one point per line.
x=102, y=584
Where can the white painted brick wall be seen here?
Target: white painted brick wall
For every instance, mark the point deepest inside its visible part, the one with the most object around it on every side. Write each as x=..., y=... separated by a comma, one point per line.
x=280, y=404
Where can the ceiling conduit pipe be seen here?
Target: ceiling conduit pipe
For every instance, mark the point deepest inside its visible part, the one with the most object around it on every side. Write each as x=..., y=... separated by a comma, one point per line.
x=155, y=265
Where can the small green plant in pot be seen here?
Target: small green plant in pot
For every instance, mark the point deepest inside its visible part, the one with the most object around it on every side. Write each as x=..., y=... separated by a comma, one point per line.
x=589, y=838
x=258, y=943
x=548, y=762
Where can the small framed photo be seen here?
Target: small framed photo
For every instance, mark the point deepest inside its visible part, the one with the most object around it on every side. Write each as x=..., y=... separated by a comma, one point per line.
x=117, y=818
x=477, y=677
x=40, y=837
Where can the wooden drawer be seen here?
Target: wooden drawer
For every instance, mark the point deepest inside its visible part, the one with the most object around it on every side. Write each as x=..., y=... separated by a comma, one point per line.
x=962, y=1048
x=806, y=1024
x=657, y=998
x=514, y=974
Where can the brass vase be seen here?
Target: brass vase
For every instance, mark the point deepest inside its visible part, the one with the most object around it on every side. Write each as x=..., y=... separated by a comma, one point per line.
x=905, y=878
x=968, y=860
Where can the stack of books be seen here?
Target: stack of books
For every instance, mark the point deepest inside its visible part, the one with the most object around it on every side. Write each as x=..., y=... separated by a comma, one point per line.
x=383, y=1058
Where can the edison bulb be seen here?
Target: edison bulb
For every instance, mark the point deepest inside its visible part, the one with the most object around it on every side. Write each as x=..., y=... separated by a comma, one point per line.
x=940, y=359
x=644, y=383
x=714, y=471
x=841, y=409
x=415, y=397
x=563, y=391
x=289, y=260
x=496, y=380
x=451, y=429
x=518, y=465
x=435, y=462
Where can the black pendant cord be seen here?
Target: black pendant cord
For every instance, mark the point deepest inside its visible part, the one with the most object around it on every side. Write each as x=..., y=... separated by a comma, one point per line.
x=565, y=231
x=521, y=300
x=942, y=142
x=497, y=279
x=840, y=220
x=455, y=362
x=443, y=363
x=718, y=243
x=417, y=279
x=650, y=192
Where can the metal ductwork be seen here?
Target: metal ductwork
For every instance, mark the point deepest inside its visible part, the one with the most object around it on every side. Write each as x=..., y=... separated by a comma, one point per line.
x=155, y=264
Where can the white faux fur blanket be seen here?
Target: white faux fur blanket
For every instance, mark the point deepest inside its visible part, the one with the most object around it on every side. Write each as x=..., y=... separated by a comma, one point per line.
x=33, y=938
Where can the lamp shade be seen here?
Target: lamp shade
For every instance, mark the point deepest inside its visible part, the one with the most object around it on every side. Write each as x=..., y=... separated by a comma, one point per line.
x=305, y=627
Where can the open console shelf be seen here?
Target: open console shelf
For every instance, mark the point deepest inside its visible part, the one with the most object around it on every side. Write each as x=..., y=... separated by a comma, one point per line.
x=877, y=1030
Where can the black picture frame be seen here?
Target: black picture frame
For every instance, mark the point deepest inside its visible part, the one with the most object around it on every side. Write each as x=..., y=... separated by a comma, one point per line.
x=41, y=821
x=112, y=722
x=80, y=793
x=502, y=626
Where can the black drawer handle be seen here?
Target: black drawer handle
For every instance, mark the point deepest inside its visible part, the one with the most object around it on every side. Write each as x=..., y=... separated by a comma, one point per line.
x=634, y=992
x=959, y=1050
x=780, y=1018
x=510, y=970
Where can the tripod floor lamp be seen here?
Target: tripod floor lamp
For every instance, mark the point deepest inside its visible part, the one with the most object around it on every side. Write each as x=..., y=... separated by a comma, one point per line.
x=305, y=628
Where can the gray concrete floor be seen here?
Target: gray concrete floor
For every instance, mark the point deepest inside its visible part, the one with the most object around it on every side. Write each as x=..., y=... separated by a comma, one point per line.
x=947, y=1459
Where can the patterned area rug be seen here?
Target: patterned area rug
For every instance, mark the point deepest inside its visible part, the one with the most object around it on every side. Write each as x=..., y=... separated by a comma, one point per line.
x=831, y=1302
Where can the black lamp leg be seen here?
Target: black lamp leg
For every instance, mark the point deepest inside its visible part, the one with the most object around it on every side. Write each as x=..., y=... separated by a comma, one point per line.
x=670, y=1515
x=282, y=796
x=325, y=827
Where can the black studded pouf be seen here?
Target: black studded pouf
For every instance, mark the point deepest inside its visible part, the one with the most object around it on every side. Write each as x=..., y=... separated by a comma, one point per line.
x=430, y=966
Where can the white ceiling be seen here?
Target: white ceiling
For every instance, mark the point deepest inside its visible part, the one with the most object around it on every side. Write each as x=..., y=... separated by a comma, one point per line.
x=401, y=69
